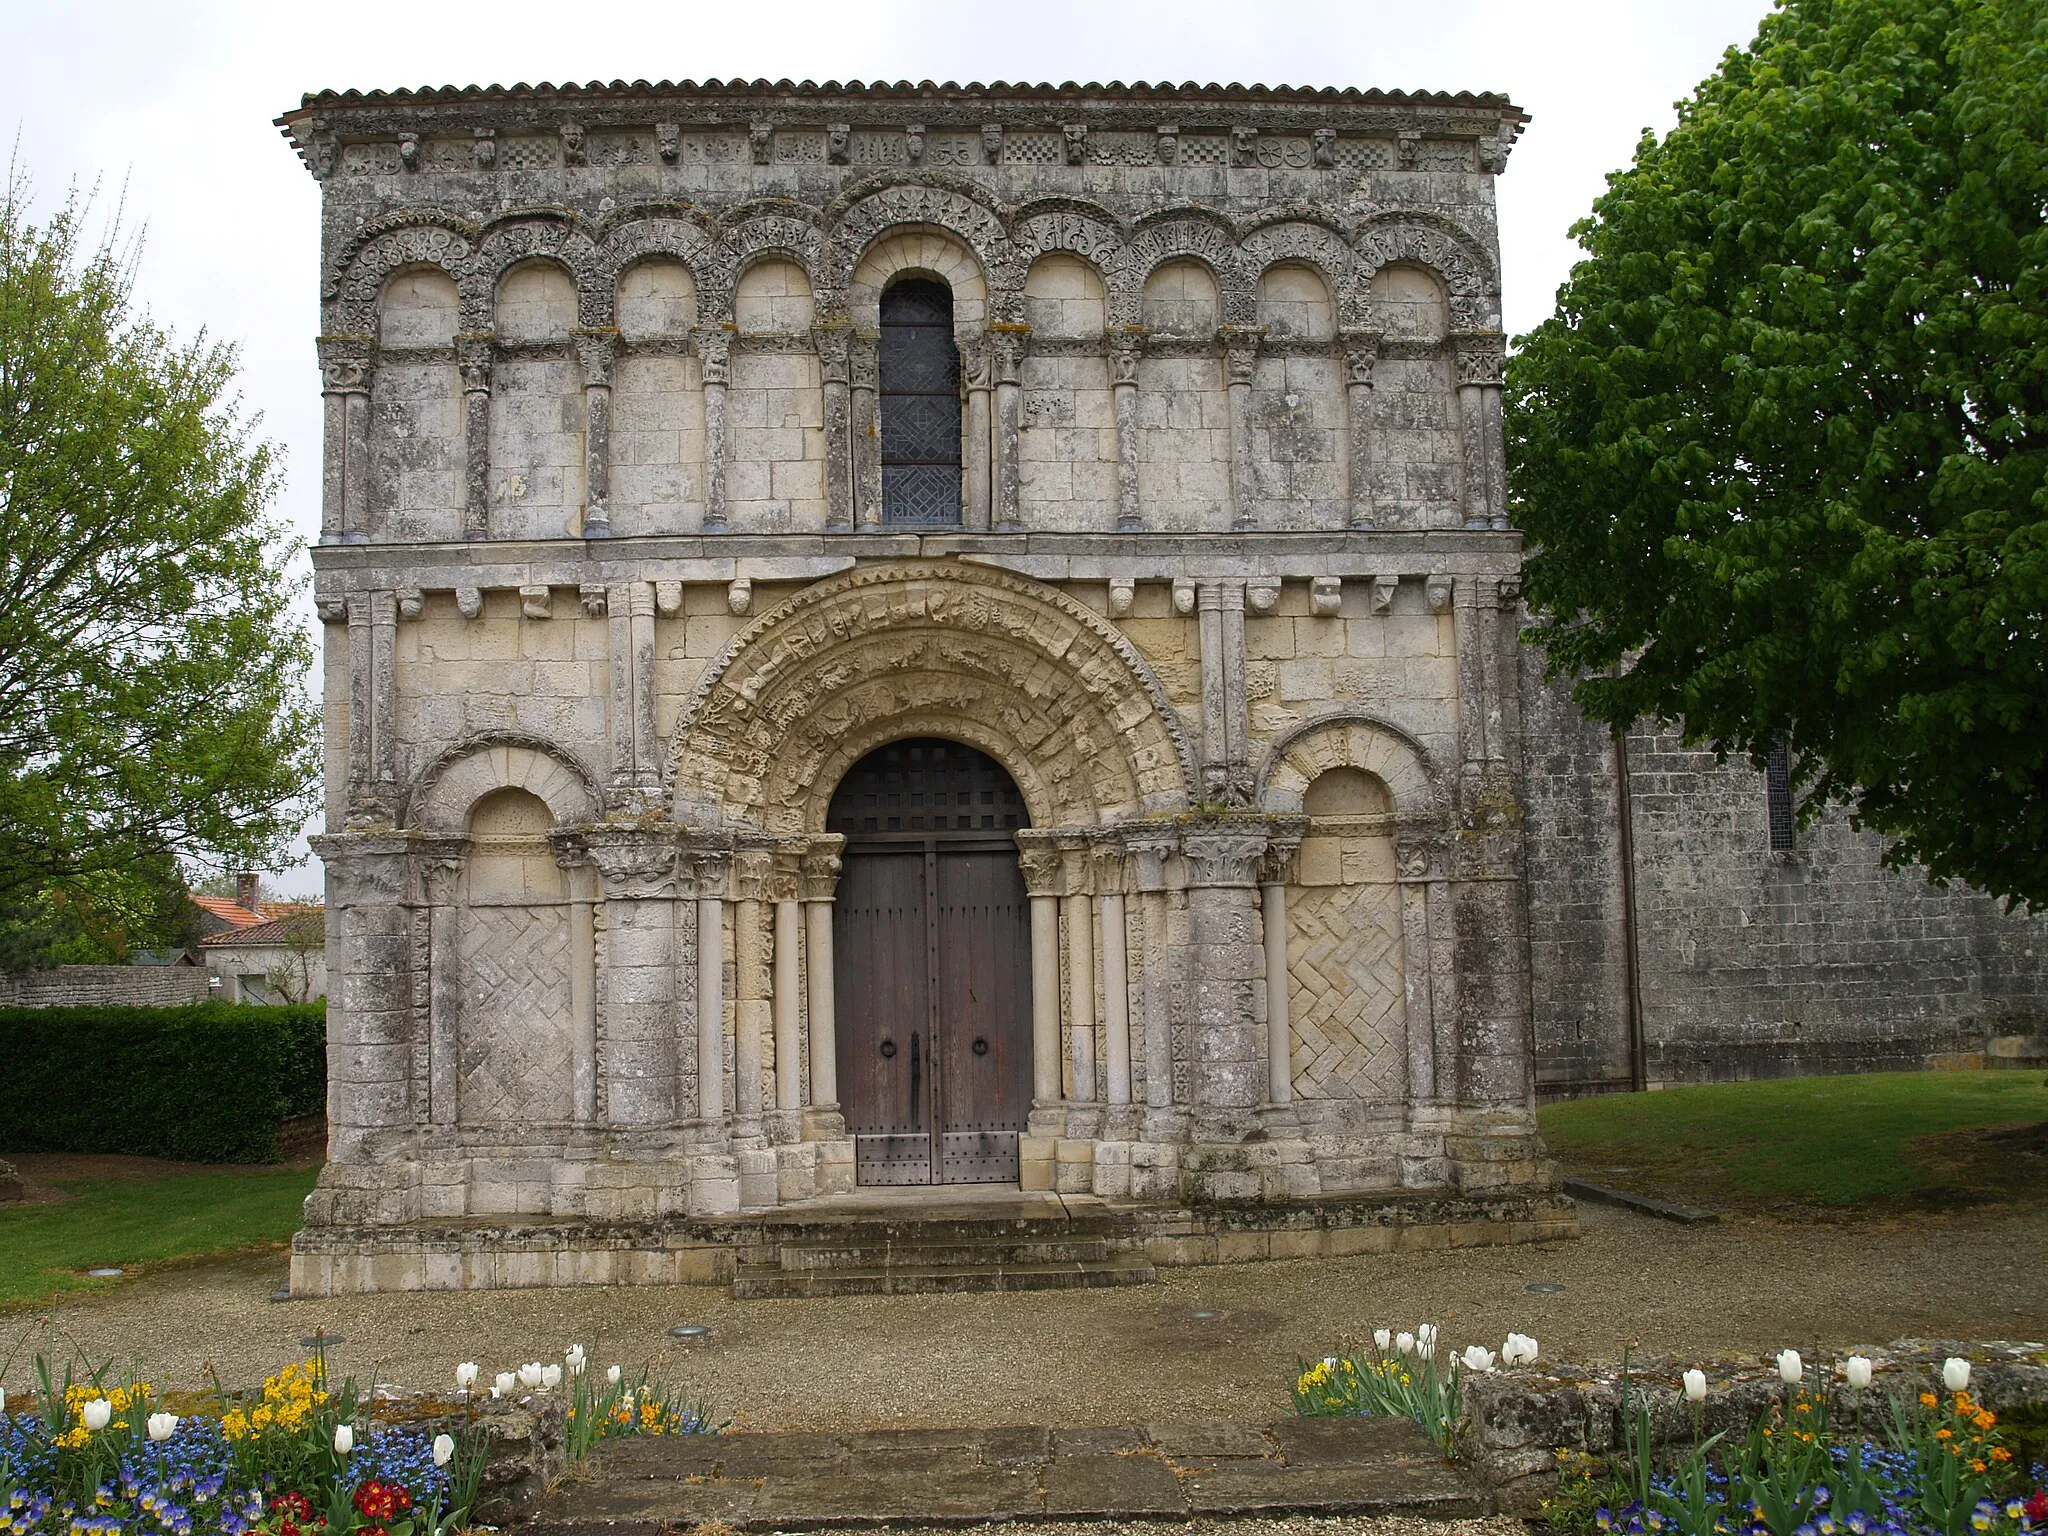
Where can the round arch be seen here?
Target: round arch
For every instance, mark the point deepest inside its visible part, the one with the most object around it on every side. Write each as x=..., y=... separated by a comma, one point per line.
x=1347, y=740
x=994, y=660
x=442, y=798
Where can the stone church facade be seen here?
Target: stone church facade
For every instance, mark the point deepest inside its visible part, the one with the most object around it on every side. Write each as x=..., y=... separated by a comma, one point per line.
x=891, y=636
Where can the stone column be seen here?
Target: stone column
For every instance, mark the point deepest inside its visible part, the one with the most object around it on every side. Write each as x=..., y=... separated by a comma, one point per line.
x=1275, y=870
x=441, y=880
x=787, y=889
x=1229, y=1058
x=1417, y=877
x=596, y=349
x=1481, y=357
x=1125, y=348
x=753, y=870
x=1116, y=975
x=474, y=351
x=1009, y=340
x=712, y=874
x=821, y=866
x=1077, y=909
x=580, y=881
x=1361, y=355
x=372, y=742
x=833, y=339
x=1149, y=856
x=384, y=696
x=1042, y=867
x=347, y=364
x=1226, y=726
x=1241, y=356
x=865, y=365
x=975, y=477
x=641, y=880
x=714, y=349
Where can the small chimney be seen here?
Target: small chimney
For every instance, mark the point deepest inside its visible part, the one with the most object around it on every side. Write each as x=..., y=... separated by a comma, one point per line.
x=246, y=887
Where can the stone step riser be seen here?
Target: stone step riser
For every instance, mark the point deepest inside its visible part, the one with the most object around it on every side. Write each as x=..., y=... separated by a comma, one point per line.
x=933, y=1255
x=771, y=1284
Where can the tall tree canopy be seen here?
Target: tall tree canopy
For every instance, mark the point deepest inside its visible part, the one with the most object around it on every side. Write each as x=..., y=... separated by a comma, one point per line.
x=152, y=666
x=1783, y=448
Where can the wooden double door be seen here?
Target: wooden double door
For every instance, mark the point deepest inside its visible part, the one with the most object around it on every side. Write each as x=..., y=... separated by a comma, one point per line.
x=932, y=966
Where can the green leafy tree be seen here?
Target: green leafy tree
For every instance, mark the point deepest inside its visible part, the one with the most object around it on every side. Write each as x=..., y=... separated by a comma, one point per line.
x=152, y=708
x=1783, y=449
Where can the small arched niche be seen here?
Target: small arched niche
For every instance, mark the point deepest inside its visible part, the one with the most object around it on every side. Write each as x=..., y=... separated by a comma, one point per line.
x=656, y=297
x=773, y=298
x=1409, y=303
x=511, y=861
x=1346, y=792
x=418, y=308
x=536, y=302
x=1181, y=297
x=1065, y=296
x=1294, y=301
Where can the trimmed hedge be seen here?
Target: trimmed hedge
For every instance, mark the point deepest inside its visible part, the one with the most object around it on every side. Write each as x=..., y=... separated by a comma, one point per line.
x=204, y=1083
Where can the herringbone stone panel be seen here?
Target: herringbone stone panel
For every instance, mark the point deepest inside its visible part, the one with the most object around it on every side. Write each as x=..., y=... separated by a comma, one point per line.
x=514, y=1037
x=1345, y=999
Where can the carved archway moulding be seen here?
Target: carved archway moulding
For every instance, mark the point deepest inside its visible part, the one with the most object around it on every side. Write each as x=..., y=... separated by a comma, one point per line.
x=936, y=648
x=1346, y=739
x=410, y=239
x=452, y=784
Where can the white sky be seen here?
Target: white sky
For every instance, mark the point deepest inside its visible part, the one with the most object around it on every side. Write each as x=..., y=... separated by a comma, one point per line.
x=176, y=100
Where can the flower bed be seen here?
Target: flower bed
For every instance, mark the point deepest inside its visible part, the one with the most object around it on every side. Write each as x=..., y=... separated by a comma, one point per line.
x=302, y=1456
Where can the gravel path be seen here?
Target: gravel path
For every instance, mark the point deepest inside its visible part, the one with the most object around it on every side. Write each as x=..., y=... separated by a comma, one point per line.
x=1114, y=1357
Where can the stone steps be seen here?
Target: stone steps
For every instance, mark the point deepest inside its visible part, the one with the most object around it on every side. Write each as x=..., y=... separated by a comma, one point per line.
x=944, y=1253
x=901, y=1274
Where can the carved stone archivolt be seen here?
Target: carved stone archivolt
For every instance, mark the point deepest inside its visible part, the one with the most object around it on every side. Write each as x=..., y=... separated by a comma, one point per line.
x=1005, y=664
x=1346, y=740
x=441, y=799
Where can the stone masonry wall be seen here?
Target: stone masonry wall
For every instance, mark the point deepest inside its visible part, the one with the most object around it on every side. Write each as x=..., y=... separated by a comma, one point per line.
x=104, y=986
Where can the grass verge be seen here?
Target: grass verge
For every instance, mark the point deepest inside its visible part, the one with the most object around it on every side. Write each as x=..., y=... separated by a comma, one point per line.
x=46, y=1249
x=1926, y=1140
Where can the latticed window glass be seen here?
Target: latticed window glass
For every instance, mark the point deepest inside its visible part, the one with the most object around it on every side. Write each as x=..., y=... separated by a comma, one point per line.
x=920, y=405
x=1778, y=807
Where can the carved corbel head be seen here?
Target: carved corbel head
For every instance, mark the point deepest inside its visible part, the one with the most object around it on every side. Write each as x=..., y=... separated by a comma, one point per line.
x=323, y=152
x=992, y=142
x=485, y=147
x=913, y=143
x=1326, y=596
x=1184, y=595
x=1262, y=595
x=1509, y=593
x=1123, y=593
x=594, y=596
x=839, y=143
x=1244, y=146
x=668, y=142
x=1439, y=590
x=761, y=140
x=1323, y=149
x=332, y=609
x=1166, y=143
x=668, y=598
x=410, y=601
x=574, y=150
x=469, y=602
x=739, y=596
x=1075, y=136
x=409, y=151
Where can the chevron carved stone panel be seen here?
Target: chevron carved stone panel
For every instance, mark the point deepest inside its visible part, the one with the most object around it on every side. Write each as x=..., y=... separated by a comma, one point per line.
x=514, y=1042
x=1344, y=995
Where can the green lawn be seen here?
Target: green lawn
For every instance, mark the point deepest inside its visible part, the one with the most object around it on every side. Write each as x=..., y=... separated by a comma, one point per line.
x=1928, y=1139
x=46, y=1249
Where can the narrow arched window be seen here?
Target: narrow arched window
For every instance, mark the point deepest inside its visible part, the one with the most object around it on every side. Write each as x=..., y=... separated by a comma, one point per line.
x=920, y=405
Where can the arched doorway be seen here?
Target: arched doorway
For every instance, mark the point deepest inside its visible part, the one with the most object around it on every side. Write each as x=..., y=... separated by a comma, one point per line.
x=932, y=965
x=920, y=378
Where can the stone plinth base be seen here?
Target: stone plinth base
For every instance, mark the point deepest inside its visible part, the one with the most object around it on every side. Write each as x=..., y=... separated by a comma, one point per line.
x=486, y=1254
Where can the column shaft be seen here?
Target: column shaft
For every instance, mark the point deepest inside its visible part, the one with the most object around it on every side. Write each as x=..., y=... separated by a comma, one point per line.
x=597, y=350
x=751, y=1019
x=1130, y=517
x=1080, y=915
x=710, y=1007
x=824, y=1016
x=1008, y=345
x=646, y=749
x=975, y=482
x=712, y=352
x=1279, y=1037
x=865, y=365
x=1045, y=999
x=444, y=1004
x=473, y=358
x=356, y=495
x=1472, y=435
x=582, y=997
x=1116, y=998
x=789, y=1088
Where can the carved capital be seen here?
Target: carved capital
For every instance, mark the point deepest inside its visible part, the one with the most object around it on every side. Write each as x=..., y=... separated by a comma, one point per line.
x=438, y=861
x=1044, y=865
x=974, y=358
x=761, y=140
x=1009, y=342
x=1125, y=350
x=786, y=872
x=1417, y=859
x=1153, y=858
x=1361, y=356
x=574, y=151
x=668, y=142
x=1240, y=350
x=1481, y=355
x=865, y=360
x=753, y=874
x=710, y=872
x=346, y=364
x=596, y=350
x=474, y=352
x=1224, y=855
x=1112, y=862
x=714, y=352
x=821, y=866
x=1509, y=592
x=1276, y=864
x=834, y=344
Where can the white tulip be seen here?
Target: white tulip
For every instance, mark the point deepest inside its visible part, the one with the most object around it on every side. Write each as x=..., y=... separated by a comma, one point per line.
x=1404, y=1343
x=612, y=1374
x=465, y=1375
x=575, y=1359
x=551, y=1376
x=1382, y=1339
x=1695, y=1386
x=504, y=1384
x=529, y=1375
x=1856, y=1371
x=1425, y=1338
x=3, y=1399
x=162, y=1425
x=1789, y=1367
x=1478, y=1358
x=96, y=1414
x=1955, y=1374
x=444, y=1450
x=344, y=1439
x=1519, y=1349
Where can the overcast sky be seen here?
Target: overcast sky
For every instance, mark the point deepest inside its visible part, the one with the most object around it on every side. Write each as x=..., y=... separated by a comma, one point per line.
x=175, y=101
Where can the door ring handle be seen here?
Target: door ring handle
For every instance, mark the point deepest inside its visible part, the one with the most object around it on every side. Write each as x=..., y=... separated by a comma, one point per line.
x=888, y=1049
x=980, y=1045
